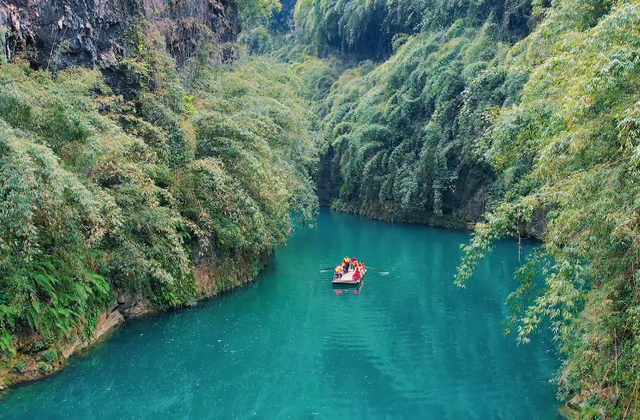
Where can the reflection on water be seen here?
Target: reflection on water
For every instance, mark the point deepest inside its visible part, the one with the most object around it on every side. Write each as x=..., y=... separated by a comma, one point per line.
x=410, y=345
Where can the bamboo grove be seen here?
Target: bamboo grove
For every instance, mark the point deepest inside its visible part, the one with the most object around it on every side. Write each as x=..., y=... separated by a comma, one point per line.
x=107, y=194
x=521, y=115
x=529, y=110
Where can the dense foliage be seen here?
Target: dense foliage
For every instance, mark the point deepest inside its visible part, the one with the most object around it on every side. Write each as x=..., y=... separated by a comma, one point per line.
x=575, y=132
x=529, y=110
x=542, y=133
x=105, y=195
x=402, y=132
x=369, y=29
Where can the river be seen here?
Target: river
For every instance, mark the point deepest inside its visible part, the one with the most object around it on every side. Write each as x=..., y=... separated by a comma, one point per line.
x=410, y=345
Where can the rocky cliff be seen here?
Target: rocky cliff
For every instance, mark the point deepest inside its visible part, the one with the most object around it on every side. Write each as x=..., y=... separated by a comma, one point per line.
x=57, y=34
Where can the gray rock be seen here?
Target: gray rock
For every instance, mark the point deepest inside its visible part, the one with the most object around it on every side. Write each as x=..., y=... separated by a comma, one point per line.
x=57, y=34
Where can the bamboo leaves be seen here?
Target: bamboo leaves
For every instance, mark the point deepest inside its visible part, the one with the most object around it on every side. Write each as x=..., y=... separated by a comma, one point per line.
x=101, y=195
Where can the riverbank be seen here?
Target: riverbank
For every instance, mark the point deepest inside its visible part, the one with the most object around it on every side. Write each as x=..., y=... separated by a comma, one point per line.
x=465, y=219
x=36, y=360
x=287, y=346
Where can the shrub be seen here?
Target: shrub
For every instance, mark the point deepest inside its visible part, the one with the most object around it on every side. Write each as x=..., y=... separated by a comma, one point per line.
x=100, y=199
x=44, y=368
x=19, y=367
x=49, y=356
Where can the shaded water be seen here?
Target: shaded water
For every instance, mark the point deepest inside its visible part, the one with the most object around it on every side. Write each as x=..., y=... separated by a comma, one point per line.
x=409, y=346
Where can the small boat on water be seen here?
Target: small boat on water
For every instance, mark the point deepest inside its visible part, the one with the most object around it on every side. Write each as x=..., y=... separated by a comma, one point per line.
x=347, y=278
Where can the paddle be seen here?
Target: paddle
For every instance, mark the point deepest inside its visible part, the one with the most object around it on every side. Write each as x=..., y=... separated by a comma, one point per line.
x=377, y=269
x=325, y=269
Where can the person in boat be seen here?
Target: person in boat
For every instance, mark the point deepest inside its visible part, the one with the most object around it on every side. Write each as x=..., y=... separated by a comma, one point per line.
x=354, y=263
x=345, y=264
x=357, y=275
x=361, y=265
x=338, y=271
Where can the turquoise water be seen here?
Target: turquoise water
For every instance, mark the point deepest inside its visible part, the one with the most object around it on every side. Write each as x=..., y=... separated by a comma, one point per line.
x=410, y=345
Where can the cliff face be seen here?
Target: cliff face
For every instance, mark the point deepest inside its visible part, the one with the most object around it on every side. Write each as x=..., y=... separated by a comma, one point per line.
x=57, y=34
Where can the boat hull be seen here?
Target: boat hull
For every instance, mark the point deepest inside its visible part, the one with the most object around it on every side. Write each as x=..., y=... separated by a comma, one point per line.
x=347, y=278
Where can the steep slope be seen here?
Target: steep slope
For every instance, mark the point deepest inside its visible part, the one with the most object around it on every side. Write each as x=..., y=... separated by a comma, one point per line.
x=574, y=138
x=173, y=184
x=402, y=134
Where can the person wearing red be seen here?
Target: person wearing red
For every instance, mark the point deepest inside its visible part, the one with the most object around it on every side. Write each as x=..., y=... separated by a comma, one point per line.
x=357, y=275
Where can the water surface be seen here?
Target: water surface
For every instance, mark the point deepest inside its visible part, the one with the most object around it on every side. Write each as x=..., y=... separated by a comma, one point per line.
x=410, y=345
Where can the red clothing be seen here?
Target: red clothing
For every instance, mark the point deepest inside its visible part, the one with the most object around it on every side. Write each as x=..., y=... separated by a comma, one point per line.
x=356, y=275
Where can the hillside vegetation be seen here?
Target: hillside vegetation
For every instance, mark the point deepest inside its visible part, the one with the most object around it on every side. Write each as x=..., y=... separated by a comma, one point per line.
x=518, y=117
x=509, y=114
x=129, y=195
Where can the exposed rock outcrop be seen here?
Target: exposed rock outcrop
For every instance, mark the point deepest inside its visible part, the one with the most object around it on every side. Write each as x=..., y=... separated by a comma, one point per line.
x=106, y=323
x=215, y=273
x=56, y=34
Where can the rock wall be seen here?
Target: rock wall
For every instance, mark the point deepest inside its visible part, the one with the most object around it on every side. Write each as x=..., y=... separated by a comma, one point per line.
x=33, y=363
x=56, y=34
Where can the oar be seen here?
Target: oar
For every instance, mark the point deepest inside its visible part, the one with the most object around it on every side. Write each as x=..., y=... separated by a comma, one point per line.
x=376, y=269
x=328, y=268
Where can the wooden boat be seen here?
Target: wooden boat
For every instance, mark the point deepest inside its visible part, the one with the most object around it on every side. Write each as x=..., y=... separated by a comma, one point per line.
x=347, y=278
